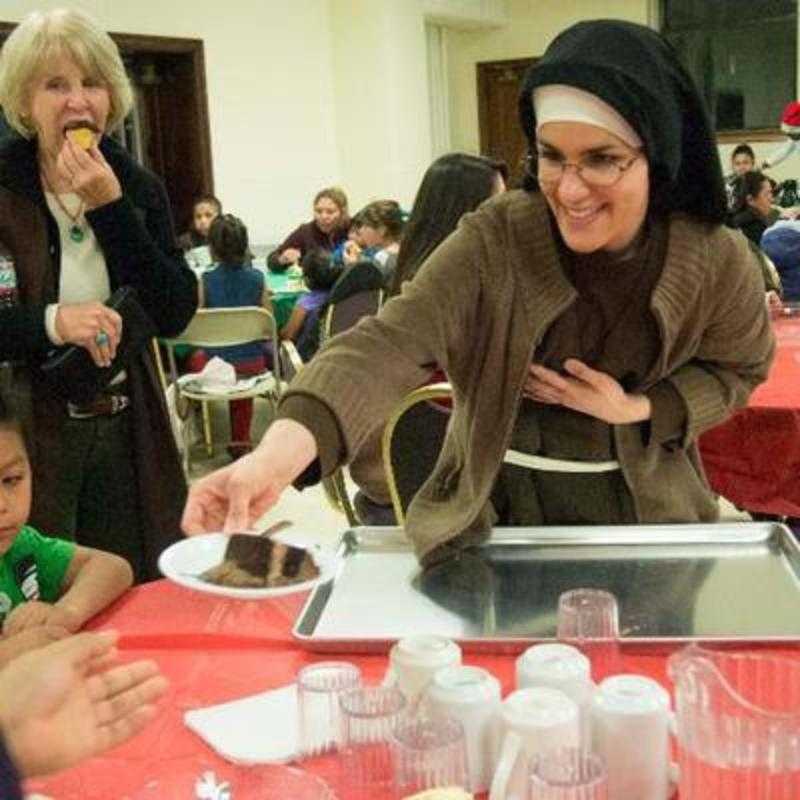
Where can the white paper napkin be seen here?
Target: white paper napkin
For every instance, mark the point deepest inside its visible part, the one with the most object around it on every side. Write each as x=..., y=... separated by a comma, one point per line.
x=258, y=729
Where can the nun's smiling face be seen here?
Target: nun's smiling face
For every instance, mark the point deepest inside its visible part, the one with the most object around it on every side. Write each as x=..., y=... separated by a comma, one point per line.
x=591, y=216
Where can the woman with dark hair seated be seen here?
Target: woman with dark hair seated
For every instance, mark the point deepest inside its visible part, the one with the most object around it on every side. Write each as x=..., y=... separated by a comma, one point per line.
x=453, y=185
x=753, y=211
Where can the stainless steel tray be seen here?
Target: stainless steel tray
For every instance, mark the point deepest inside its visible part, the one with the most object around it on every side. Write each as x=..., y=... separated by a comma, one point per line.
x=674, y=583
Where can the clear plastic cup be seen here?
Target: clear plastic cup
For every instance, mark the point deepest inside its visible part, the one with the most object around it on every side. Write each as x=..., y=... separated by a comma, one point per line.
x=589, y=620
x=428, y=753
x=568, y=774
x=318, y=689
x=368, y=717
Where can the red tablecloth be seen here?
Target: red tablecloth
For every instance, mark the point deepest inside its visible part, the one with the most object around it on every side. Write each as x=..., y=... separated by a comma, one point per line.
x=213, y=650
x=753, y=459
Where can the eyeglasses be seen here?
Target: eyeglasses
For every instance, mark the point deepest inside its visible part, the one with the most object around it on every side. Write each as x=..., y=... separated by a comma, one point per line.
x=595, y=170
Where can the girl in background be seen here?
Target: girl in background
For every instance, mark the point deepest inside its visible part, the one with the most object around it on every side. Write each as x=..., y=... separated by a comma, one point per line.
x=381, y=227
x=233, y=284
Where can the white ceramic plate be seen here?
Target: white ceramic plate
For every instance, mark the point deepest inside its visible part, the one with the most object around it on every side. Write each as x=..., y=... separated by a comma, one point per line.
x=195, y=554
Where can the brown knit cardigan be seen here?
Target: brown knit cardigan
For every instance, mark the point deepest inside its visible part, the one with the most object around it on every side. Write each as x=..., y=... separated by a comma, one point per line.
x=480, y=307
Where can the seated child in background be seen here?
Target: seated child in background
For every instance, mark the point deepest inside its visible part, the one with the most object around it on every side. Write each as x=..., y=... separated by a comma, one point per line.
x=381, y=228
x=320, y=274
x=233, y=284
x=350, y=249
x=48, y=587
x=204, y=211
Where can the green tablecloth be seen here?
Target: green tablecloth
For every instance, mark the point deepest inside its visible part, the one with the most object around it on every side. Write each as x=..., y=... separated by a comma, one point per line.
x=286, y=288
x=285, y=292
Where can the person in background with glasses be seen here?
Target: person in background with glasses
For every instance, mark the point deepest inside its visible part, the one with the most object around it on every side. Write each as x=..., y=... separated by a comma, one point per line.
x=592, y=324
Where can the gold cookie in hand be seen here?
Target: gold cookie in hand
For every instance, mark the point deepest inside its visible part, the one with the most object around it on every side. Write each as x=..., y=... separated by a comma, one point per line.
x=83, y=137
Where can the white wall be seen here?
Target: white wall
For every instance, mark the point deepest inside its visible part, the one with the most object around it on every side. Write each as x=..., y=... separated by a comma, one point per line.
x=532, y=24
x=270, y=95
x=381, y=98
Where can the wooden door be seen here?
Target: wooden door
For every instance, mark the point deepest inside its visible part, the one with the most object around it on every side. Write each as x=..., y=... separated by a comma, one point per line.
x=500, y=132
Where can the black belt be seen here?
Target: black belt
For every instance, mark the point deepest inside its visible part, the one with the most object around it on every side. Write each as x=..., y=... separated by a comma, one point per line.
x=105, y=404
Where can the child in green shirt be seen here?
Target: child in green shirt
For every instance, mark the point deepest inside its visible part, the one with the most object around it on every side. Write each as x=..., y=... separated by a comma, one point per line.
x=48, y=587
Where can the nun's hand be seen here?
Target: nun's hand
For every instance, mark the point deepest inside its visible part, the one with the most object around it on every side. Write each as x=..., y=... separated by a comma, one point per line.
x=586, y=390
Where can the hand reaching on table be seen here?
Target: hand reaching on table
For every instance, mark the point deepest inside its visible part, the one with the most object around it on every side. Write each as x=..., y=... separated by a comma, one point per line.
x=291, y=255
x=232, y=499
x=66, y=702
x=35, y=614
x=586, y=390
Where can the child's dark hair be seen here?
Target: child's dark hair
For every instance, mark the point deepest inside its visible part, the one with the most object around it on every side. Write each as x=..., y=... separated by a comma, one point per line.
x=743, y=149
x=10, y=420
x=747, y=185
x=210, y=200
x=227, y=240
x=319, y=270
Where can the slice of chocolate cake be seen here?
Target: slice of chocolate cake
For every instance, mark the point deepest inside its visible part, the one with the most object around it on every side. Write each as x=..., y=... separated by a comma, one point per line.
x=259, y=562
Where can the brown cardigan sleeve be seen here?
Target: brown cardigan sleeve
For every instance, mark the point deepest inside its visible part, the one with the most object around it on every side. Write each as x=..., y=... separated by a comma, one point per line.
x=362, y=374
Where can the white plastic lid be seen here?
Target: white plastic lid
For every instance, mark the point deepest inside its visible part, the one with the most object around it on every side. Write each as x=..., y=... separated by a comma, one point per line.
x=461, y=685
x=539, y=707
x=426, y=651
x=554, y=663
x=631, y=694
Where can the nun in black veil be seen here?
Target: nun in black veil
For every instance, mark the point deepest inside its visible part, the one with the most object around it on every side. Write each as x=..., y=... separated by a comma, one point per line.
x=592, y=324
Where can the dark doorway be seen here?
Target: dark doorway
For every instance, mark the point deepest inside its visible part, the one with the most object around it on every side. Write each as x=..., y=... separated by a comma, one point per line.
x=500, y=133
x=168, y=129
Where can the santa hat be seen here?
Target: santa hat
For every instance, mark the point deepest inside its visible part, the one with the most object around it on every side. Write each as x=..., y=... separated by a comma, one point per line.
x=790, y=120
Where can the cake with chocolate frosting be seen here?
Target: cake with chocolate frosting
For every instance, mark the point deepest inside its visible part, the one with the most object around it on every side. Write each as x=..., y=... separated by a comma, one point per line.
x=260, y=562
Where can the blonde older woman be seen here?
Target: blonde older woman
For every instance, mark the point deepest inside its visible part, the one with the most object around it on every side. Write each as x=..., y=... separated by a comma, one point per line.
x=78, y=219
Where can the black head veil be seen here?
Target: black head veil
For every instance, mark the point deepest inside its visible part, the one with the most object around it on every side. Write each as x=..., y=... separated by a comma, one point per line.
x=637, y=72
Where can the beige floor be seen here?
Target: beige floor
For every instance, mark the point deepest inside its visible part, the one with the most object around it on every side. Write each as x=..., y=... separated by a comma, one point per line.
x=309, y=510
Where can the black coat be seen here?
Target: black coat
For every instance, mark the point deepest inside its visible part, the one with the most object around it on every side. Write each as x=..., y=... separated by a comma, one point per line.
x=137, y=238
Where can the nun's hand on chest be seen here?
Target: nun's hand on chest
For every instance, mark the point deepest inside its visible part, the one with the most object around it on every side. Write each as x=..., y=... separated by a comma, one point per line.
x=586, y=390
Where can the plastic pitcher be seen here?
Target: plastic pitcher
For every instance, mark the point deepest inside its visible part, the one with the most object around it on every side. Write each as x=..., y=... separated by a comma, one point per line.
x=738, y=724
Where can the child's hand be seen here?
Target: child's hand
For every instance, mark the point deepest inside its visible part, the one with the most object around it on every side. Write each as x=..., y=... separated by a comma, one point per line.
x=37, y=614
x=34, y=638
x=352, y=252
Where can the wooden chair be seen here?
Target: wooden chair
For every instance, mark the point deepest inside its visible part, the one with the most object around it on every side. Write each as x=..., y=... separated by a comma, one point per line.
x=412, y=440
x=222, y=327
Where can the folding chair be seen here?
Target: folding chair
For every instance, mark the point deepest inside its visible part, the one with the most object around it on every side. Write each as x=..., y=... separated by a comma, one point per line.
x=412, y=440
x=345, y=313
x=358, y=293
x=223, y=327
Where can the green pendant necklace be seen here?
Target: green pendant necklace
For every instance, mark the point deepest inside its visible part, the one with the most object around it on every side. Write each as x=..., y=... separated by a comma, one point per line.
x=76, y=231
